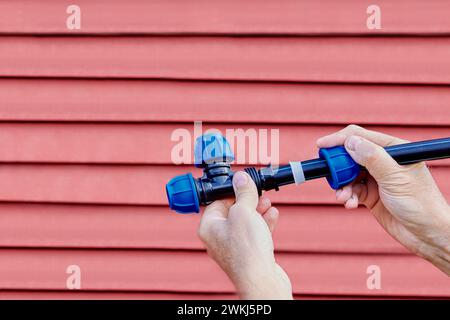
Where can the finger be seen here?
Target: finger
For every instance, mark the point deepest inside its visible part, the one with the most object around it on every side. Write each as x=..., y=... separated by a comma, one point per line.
x=342, y=195
x=214, y=215
x=372, y=156
x=264, y=204
x=357, y=189
x=338, y=138
x=245, y=191
x=369, y=193
x=271, y=218
x=217, y=210
x=331, y=140
x=353, y=202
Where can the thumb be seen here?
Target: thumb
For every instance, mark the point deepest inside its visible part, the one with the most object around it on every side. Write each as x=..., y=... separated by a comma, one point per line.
x=372, y=156
x=245, y=190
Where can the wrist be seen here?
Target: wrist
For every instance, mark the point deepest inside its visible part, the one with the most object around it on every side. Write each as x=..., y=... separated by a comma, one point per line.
x=264, y=283
x=439, y=253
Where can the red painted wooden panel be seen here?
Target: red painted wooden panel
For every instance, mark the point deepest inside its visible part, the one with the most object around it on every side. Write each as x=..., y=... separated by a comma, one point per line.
x=175, y=101
x=321, y=59
x=132, y=246
x=151, y=143
x=92, y=295
x=196, y=272
x=226, y=17
x=141, y=185
x=301, y=228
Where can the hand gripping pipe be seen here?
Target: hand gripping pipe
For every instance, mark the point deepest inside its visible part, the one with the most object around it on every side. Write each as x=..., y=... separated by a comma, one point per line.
x=213, y=154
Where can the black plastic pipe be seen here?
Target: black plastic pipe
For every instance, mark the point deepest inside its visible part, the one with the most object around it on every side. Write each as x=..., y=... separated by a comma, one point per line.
x=403, y=154
x=269, y=179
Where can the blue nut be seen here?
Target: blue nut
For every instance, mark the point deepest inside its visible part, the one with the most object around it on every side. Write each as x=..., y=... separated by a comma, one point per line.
x=343, y=169
x=182, y=194
x=212, y=148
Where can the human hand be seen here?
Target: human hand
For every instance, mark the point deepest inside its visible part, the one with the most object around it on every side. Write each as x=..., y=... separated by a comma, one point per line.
x=404, y=199
x=238, y=236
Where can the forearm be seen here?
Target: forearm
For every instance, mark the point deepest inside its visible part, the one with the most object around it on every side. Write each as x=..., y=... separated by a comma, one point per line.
x=438, y=244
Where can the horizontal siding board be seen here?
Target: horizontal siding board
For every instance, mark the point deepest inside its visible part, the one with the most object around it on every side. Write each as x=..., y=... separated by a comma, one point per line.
x=86, y=118
x=161, y=271
x=92, y=295
x=328, y=59
x=151, y=143
x=176, y=101
x=139, y=185
x=300, y=229
x=230, y=17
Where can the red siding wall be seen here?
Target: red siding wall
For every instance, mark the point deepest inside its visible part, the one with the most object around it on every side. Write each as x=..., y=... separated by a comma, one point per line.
x=86, y=117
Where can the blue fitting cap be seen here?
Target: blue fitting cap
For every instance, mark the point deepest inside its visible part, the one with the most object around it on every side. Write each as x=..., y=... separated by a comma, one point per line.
x=343, y=169
x=182, y=194
x=212, y=148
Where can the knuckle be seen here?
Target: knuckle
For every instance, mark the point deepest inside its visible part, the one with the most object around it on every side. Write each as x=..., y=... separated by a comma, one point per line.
x=353, y=128
x=398, y=174
x=372, y=158
x=203, y=232
x=247, y=193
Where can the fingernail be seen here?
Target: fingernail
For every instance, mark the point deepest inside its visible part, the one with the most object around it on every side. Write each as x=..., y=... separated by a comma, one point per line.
x=274, y=213
x=265, y=201
x=353, y=142
x=239, y=179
